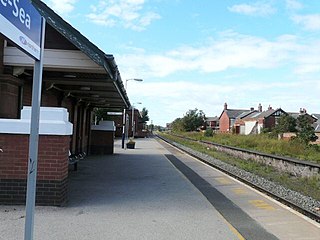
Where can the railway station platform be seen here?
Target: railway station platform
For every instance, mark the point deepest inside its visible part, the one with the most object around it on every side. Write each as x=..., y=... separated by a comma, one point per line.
x=133, y=194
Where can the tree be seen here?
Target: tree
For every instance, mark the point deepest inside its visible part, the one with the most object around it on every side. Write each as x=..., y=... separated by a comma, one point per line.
x=193, y=120
x=177, y=125
x=306, y=132
x=286, y=123
x=101, y=113
x=144, y=115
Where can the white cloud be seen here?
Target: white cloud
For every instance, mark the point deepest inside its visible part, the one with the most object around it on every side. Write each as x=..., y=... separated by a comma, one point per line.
x=308, y=61
x=176, y=98
x=254, y=9
x=297, y=88
x=126, y=13
x=62, y=6
x=309, y=22
x=229, y=50
x=294, y=5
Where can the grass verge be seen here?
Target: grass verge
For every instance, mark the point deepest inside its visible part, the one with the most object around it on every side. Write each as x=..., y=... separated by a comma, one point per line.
x=263, y=143
x=306, y=186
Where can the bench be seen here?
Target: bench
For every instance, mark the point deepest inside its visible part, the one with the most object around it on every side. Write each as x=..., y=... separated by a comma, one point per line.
x=75, y=158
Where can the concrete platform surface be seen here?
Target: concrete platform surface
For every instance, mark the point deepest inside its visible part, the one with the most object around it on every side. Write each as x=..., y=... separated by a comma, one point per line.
x=133, y=194
x=254, y=214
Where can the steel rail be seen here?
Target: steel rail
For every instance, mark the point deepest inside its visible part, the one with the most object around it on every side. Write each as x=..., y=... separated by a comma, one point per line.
x=281, y=158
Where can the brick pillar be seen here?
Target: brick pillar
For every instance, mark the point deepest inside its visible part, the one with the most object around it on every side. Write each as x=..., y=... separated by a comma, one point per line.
x=1, y=54
x=90, y=120
x=79, y=129
x=52, y=179
x=84, y=135
x=75, y=123
x=9, y=96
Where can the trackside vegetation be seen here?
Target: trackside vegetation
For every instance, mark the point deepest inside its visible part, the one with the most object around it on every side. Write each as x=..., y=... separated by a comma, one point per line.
x=307, y=186
x=300, y=147
x=263, y=143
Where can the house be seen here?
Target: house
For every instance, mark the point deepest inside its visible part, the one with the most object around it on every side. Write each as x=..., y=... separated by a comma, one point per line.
x=314, y=120
x=316, y=126
x=258, y=120
x=228, y=118
x=213, y=123
x=303, y=111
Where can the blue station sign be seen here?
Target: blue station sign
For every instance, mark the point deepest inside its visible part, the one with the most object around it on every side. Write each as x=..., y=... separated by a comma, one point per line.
x=21, y=23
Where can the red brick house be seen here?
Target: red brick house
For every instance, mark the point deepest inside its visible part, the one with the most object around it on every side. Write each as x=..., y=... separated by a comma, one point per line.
x=228, y=118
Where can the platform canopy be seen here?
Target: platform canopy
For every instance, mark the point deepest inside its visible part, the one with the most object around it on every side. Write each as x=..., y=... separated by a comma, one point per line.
x=73, y=66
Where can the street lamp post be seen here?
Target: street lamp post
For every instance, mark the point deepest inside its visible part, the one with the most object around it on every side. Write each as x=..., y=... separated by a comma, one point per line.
x=123, y=126
x=124, y=110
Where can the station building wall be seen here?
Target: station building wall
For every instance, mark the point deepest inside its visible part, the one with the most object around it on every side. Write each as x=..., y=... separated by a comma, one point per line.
x=52, y=178
x=52, y=185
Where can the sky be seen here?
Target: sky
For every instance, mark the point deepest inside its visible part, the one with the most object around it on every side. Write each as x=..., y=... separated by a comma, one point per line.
x=203, y=53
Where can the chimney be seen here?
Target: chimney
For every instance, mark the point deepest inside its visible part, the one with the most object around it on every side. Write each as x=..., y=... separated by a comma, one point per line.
x=269, y=108
x=225, y=106
x=251, y=109
x=260, y=107
x=303, y=111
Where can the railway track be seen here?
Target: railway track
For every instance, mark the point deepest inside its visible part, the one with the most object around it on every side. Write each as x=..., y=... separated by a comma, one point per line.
x=313, y=213
x=313, y=167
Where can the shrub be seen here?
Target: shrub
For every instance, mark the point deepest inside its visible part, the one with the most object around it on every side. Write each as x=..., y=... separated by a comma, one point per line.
x=208, y=132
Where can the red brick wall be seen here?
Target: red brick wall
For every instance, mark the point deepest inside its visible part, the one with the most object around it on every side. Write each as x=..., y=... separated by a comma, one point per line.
x=77, y=116
x=224, y=122
x=27, y=94
x=9, y=93
x=67, y=103
x=1, y=54
x=49, y=100
x=86, y=131
x=52, y=169
x=270, y=122
x=118, y=123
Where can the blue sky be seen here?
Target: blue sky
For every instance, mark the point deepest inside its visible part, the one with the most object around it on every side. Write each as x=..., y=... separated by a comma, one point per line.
x=201, y=54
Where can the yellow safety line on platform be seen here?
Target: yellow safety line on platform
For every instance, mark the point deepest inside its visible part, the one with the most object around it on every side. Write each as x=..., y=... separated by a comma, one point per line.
x=224, y=180
x=235, y=231
x=239, y=191
x=261, y=204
